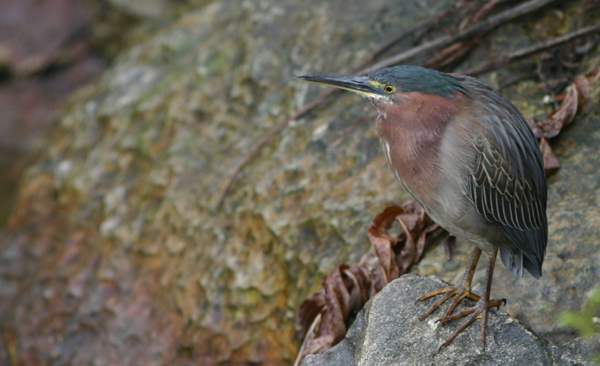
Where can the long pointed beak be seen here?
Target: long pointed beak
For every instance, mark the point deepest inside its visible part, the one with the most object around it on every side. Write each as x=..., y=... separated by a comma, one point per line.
x=358, y=84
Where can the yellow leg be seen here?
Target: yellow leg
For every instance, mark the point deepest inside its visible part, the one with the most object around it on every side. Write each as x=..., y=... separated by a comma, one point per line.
x=480, y=310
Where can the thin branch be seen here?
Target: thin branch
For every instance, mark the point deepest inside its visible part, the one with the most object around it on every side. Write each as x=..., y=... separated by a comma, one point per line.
x=529, y=51
x=309, y=336
x=421, y=25
x=345, y=131
x=482, y=13
x=262, y=142
x=442, y=42
x=452, y=54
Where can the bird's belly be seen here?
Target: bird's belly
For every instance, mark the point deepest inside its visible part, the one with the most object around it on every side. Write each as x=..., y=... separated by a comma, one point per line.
x=442, y=197
x=470, y=230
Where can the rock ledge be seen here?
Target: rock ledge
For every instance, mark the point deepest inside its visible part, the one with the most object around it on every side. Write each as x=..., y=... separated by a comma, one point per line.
x=387, y=332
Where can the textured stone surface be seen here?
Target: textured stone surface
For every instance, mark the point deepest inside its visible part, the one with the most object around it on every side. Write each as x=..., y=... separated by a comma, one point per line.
x=115, y=245
x=388, y=332
x=116, y=255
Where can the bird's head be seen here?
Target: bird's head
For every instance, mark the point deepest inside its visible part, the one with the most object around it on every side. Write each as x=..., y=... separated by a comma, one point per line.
x=394, y=83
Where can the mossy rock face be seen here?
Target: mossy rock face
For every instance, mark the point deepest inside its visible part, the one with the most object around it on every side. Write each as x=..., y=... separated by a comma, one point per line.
x=116, y=255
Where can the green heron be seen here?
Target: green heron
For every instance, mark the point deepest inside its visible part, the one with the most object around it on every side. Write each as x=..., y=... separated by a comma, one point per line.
x=468, y=156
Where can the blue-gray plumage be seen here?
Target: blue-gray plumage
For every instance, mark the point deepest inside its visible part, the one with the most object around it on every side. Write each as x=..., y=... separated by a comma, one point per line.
x=468, y=156
x=508, y=185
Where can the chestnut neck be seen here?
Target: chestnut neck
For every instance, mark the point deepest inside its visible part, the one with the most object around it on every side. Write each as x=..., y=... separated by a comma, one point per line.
x=411, y=129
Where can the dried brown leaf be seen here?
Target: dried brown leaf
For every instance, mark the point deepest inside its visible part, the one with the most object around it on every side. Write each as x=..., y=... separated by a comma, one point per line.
x=573, y=103
x=592, y=76
x=378, y=280
x=407, y=255
x=359, y=286
x=582, y=85
x=309, y=310
x=322, y=317
x=330, y=320
x=416, y=225
x=370, y=262
x=387, y=258
x=383, y=242
x=449, y=245
x=551, y=162
x=536, y=127
x=562, y=116
x=384, y=221
x=337, y=301
x=423, y=238
x=319, y=344
x=411, y=221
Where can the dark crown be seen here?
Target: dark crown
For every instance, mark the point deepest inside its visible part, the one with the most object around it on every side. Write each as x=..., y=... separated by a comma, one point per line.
x=408, y=79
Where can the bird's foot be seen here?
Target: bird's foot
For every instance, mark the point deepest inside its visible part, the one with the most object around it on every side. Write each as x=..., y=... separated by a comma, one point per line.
x=478, y=311
x=460, y=291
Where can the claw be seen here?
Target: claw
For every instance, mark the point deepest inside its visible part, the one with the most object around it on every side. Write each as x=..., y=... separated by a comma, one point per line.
x=462, y=290
x=472, y=318
x=453, y=291
x=479, y=310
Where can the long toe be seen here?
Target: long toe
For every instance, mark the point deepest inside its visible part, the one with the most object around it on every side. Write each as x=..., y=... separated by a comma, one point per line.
x=475, y=314
x=460, y=291
x=437, y=292
x=451, y=291
x=479, y=310
x=461, y=296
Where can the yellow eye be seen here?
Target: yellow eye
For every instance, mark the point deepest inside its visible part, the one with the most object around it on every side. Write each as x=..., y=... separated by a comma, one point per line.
x=389, y=89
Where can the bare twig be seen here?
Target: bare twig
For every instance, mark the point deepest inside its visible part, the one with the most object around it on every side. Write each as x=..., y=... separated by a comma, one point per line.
x=262, y=142
x=457, y=51
x=346, y=130
x=452, y=54
x=482, y=13
x=536, y=48
x=421, y=25
x=482, y=27
x=309, y=335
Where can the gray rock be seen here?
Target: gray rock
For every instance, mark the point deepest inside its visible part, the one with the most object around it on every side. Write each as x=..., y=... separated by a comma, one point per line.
x=388, y=332
x=578, y=352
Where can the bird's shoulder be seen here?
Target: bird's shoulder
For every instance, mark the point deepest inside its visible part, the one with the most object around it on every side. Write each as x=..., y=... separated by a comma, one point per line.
x=505, y=131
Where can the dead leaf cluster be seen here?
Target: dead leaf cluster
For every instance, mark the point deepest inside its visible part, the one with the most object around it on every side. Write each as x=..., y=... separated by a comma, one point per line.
x=323, y=317
x=574, y=101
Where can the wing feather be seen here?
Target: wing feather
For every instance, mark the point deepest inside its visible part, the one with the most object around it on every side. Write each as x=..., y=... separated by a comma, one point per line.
x=507, y=181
